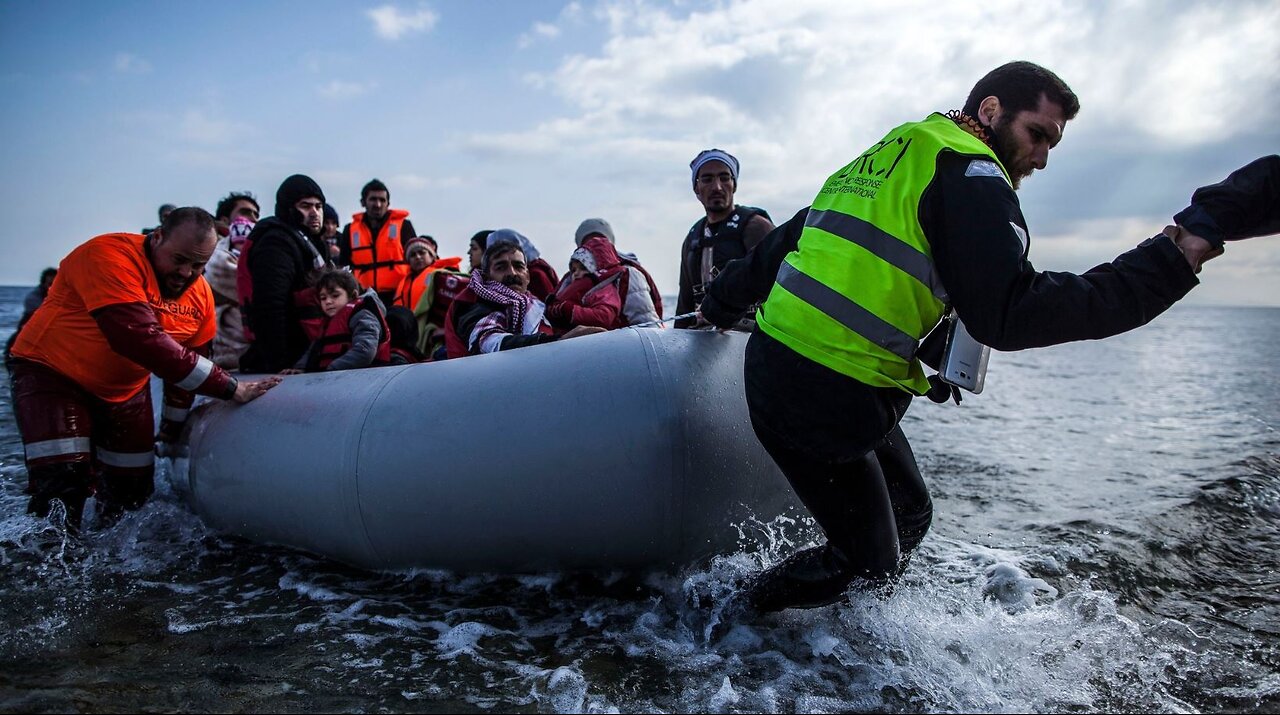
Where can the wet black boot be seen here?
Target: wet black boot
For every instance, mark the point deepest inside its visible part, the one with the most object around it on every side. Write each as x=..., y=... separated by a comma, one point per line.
x=811, y=578
x=64, y=483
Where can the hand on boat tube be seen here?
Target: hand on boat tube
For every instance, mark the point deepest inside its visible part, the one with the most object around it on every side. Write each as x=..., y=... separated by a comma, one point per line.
x=700, y=322
x=250, y=391
x=1194, y=248
x=582, y=330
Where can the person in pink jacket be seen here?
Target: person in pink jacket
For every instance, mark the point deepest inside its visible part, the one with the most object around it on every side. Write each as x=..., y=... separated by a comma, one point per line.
x=592, y=296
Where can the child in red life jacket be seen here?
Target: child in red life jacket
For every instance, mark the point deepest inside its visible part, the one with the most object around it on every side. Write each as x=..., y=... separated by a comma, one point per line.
x=355, y=330
x=592, y=296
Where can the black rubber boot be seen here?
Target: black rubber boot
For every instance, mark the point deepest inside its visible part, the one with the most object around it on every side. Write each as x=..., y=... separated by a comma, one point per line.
x=811, y=578
x=67, y=483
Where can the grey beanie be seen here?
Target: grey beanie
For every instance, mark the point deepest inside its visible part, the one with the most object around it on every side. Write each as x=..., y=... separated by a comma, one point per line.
x=593, y=226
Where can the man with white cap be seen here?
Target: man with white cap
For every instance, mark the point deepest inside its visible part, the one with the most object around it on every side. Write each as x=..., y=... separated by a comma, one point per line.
x=727, y=232
x=641, y=301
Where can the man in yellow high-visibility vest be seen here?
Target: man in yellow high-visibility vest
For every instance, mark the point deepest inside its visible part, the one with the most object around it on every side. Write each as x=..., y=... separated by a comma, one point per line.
x=924, y=221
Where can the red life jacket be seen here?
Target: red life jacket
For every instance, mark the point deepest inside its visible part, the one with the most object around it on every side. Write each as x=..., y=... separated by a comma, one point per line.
x=378, y=261
x=336, y=336
x=456, y=345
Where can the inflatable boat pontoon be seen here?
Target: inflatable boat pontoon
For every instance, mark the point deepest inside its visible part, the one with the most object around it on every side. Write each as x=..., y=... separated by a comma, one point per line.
x=625, y=450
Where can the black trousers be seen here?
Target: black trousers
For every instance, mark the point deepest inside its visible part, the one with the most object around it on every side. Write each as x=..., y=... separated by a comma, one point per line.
x=839, y=444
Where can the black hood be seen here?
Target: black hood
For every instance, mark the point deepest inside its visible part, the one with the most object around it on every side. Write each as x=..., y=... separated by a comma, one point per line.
x=294, y=189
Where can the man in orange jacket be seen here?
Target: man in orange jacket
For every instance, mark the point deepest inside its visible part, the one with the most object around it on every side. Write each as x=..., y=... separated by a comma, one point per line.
x=123, y=306
x=374, y=243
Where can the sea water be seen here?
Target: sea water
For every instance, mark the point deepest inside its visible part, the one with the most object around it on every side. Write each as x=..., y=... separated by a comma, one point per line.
x=1107, y=517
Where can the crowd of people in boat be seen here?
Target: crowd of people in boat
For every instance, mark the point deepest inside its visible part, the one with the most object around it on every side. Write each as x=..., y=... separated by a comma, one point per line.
x=300, y=292
x=205, y=294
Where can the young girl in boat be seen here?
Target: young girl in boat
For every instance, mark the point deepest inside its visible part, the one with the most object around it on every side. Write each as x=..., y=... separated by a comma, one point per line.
x=592, y=294
x=355, y=329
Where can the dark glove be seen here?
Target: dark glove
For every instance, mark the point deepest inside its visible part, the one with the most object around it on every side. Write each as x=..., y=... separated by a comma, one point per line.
x=715, y=312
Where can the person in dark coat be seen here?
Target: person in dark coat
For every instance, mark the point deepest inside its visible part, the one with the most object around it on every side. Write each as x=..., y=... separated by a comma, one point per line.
x=280, y=257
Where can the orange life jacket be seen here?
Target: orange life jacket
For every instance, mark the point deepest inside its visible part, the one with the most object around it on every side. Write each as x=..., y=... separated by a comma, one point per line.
x=410, y=293
x=378, y=261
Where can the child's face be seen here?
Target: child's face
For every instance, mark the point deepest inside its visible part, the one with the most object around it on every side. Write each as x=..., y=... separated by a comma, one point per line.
x=419, y=257
x=577, y=269
x=332, y=300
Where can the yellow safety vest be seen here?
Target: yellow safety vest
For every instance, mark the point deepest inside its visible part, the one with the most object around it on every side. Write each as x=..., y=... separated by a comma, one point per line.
x=860, y=291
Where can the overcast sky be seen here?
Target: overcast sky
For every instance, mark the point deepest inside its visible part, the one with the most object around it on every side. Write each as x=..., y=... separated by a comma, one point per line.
x=535, y=115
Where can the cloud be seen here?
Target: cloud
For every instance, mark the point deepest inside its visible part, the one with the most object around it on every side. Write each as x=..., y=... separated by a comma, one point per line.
x=391, y=23
x=338, y=89
x=539, y=31
x=126, y=63
x=796, y=89
x=569, y=14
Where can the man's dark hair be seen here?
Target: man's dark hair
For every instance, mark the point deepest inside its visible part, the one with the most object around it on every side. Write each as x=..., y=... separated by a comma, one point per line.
x=228, y=203
x=374, y=185
x=331, y=278
x=178, y=218
x=1018, y=86
x=496, y=250
x=48, y=274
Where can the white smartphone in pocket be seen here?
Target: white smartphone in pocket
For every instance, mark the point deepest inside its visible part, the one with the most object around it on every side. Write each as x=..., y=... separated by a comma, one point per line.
x=964, y=360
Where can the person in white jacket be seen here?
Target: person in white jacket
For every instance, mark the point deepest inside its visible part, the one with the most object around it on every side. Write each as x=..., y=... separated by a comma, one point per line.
x=220, y=272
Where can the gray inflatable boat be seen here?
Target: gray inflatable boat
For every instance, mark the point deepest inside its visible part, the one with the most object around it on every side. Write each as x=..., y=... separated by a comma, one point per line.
x=625, y=450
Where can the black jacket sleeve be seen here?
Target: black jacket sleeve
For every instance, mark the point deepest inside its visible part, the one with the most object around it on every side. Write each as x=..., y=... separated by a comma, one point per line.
x=344, y=246
x=511, y=342
x=274, y=272
x=1244, y=205
x=747, y=281
x=973, y=225
x=406, y=233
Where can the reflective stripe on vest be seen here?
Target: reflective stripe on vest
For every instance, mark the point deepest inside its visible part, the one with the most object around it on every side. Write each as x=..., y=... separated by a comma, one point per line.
x=861, y=290
x=846, y=312
x=58, y=447
x=126, y=460
x=886, y=247
x=198, y=374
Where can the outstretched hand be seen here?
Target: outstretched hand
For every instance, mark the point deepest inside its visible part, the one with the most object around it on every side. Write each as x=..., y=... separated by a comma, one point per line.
x=1195, y=249
x=250, y=391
